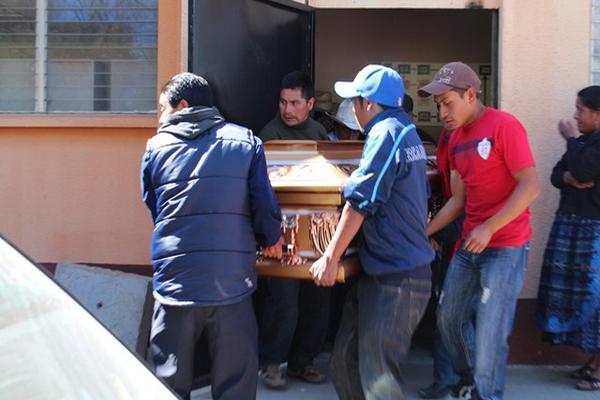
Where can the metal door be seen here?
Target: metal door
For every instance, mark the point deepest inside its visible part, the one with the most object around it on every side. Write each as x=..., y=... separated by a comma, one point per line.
x=244, y=47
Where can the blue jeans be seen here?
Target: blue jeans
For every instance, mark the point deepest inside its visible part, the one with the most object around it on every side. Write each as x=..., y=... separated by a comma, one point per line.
x=488, y=285
x=443, y=370
x=379, y=319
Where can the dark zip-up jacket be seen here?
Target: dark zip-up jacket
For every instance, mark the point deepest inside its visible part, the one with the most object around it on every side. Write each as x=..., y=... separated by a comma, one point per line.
x=205, y=183
x=582, y=159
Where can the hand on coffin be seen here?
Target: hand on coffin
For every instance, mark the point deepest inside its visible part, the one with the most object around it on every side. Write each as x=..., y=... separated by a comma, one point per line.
x=275, y=251
x=324, y=271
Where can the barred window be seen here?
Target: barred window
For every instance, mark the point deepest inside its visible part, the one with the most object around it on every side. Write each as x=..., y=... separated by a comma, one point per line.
x=78, y=55
x=595, y=78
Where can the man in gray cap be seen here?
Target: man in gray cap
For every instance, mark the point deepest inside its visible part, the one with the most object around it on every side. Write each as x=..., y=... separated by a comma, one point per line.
x=386, y=197
x=493, y=179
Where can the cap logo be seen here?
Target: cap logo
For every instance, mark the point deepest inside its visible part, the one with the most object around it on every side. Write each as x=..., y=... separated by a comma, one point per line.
x=444, y=75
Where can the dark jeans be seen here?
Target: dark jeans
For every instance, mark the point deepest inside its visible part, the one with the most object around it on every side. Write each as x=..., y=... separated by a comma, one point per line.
x=379, y=319
x=487, y=284
x=443, y=370
x=295, y=322
x=232, y=343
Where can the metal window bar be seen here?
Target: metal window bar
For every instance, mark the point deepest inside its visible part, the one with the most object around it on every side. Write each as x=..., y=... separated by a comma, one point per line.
x=42, y=28
x=41, y=31
x=111, y=35
x=116, y=8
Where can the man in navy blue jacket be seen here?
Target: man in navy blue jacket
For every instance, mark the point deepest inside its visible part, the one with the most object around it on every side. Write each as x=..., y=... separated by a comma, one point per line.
x=387, y=197
x=205, y=183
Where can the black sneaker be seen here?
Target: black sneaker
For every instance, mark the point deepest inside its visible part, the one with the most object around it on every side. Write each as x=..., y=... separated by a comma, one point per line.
x=434, y=391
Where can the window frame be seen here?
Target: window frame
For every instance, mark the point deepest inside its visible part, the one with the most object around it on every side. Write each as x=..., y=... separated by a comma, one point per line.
x=172, y=58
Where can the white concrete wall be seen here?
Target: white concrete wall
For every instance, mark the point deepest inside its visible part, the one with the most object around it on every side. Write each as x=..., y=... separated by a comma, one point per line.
x=544, y=60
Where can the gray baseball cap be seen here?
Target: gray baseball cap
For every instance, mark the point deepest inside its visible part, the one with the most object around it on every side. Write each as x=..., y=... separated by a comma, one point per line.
x=454, y=75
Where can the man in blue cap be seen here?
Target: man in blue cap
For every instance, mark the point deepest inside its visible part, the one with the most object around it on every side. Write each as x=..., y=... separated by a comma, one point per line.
x=387, y=197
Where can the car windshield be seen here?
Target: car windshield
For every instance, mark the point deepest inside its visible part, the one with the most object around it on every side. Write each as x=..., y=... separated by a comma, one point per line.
x=52, y=348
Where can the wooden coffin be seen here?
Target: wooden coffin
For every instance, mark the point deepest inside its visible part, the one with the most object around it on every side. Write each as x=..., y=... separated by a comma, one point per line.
x=309, y=178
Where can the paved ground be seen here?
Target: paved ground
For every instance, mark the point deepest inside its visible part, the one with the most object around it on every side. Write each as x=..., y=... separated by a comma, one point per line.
x=523, y=383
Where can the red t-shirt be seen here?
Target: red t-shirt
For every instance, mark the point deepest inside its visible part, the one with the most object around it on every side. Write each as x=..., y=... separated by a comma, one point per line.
x=443, y=163
x=487, y=154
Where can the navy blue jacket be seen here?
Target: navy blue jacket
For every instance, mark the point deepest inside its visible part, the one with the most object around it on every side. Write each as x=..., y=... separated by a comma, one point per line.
x=205, y=183
x=390, y=188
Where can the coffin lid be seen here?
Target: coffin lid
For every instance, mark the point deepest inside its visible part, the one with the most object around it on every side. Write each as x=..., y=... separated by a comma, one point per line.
x=308, y=166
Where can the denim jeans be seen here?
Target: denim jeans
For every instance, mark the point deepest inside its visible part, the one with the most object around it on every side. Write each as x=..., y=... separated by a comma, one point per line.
x=486, y=284
x=443, y=370
x=379, y=319
x=295, y=322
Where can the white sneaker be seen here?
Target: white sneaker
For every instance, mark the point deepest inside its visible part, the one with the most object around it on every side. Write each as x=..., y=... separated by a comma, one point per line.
x=273, y=376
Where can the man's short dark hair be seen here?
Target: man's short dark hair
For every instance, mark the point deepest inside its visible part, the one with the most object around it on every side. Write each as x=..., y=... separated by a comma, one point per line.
x=299, y=80
x=407, y=104
x=189, y=87
x=590, y=97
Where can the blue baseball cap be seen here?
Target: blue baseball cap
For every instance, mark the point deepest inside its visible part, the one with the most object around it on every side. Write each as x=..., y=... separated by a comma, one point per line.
x=377, y=83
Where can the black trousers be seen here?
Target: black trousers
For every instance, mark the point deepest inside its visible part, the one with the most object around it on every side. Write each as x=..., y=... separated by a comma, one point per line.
x=232, y=343
x=295, y=322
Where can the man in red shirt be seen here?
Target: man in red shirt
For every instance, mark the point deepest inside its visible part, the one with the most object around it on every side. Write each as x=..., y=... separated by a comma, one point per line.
x=445, y=242
x=493, y=179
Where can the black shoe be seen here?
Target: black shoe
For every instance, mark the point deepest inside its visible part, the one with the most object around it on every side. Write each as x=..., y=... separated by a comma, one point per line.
x=454, y=390
x=434, y=391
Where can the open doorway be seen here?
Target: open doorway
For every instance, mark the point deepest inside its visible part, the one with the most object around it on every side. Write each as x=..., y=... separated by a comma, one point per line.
x=416, y=42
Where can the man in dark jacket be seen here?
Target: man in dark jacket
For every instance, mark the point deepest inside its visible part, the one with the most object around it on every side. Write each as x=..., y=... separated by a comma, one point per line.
x=386, y=197
x=295, y=313
x=205, y=183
